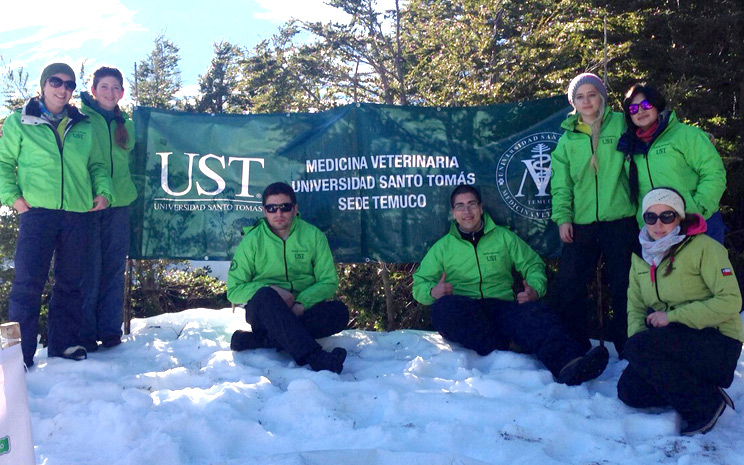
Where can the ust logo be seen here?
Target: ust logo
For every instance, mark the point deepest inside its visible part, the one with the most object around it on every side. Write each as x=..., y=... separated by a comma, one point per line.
x=523, y=175
x=299, y=256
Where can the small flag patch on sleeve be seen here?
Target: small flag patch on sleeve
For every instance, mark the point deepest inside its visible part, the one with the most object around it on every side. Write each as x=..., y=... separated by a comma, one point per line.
x=726, y=271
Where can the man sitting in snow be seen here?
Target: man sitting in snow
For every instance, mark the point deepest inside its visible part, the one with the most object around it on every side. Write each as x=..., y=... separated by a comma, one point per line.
x=467, y=276
x=284, y=269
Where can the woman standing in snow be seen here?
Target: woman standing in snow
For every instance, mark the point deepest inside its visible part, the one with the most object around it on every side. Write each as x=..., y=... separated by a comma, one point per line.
x=662, y=151
x=683, y=317
x=592, y=207
x=109, y=236
x=49, y=173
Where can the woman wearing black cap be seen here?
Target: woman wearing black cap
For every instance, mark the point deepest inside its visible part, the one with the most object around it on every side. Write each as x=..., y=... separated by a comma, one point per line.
x=48, y=174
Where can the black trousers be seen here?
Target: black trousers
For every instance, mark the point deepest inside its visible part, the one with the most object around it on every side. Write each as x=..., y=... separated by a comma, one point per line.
x=269, y=316
x=486, y=325
x=680, y=367
x=613, y=240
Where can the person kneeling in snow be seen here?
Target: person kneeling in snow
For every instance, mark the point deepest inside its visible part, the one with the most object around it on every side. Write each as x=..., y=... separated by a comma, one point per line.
x=284, y=269
x=684, y=329
x=467, y=276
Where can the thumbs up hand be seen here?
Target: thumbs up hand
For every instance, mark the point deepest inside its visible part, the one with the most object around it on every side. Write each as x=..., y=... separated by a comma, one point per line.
x=528, y=294
x=442, y=288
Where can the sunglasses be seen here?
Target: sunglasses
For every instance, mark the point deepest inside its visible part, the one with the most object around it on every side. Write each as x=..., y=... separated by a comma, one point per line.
x=633, y=108
x=55, y=82
x=666, y=217
x=274, y=207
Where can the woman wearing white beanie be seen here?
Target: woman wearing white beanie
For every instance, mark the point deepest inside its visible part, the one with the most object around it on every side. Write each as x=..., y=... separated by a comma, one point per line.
x=685, y=333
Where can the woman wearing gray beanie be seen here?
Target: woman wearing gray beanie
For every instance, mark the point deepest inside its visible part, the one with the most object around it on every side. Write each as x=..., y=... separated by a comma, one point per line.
x=683, y=317
x=49, y=173
x=592, y=207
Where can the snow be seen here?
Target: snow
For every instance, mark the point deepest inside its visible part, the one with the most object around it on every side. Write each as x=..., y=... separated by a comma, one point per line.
x=174, y=393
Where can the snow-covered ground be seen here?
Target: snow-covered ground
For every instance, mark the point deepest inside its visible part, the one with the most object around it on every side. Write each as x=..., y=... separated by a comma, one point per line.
x=174, y=394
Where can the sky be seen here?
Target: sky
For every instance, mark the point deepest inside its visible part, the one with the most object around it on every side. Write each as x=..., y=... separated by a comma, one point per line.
x=121, y=32
x=173, y=393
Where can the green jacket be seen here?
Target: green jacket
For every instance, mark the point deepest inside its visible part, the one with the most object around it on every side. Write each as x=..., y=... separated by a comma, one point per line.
x=579, y=195
x=700, y=292
x=115, y=158
x=302, y=264
x=683, y=157
x=51, y=168
x=484, y=272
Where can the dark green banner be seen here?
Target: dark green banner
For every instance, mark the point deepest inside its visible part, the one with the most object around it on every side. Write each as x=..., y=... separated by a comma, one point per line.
x=375, y=178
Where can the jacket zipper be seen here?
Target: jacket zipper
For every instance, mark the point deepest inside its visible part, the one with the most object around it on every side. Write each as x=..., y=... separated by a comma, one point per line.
x=658, y=267
x=286, y=266
x=648, y=169
x=61, y=162
x=596, y=183
x=111, y=152
x=480, y=273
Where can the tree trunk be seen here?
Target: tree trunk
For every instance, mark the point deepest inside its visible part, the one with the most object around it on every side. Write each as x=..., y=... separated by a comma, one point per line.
x=387, y=289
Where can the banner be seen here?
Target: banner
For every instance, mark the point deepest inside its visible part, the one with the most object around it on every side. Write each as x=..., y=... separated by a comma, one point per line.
x=16, y=444
x=376, y=179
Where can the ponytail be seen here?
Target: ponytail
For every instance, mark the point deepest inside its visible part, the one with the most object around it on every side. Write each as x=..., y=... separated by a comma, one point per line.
x=121, y=135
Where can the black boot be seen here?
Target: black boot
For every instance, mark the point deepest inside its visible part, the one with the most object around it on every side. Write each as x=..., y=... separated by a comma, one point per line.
x=331, y=361
x=584, y=368
x=704, y=424
x=244, y=340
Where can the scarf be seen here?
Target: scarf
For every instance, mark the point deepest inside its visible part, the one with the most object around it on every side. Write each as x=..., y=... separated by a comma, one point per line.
x=654, y=251
x=52, y=118
x=647, y=136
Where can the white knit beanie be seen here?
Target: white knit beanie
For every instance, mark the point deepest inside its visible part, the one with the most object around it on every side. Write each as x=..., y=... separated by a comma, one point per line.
x=665, y=196
x=586, y=78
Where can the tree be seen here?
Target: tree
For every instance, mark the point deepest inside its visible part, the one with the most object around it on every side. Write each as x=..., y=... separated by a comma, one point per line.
x=282, y=74
x=15, y=85
x=157, y=78
x=219, y=86
x=372, y=69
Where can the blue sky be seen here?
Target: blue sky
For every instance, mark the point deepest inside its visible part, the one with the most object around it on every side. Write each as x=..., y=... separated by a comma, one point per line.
x=121, y=32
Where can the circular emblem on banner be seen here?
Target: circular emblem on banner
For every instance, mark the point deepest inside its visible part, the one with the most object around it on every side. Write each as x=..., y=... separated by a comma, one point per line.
x=523, y=175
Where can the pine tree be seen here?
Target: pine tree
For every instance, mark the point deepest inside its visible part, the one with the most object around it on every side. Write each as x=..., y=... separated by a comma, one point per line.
x=218, y=87
x=157, y=78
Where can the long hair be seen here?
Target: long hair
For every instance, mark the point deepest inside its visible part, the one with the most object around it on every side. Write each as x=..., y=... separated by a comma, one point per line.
x=121, y=135
x=656, y=99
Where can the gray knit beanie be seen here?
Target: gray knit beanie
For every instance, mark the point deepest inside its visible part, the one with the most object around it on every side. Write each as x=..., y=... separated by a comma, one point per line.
x=56, y=68
x=586, y=78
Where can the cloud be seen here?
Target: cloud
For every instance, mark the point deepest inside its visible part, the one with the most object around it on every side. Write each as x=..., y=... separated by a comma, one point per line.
x=47, y=34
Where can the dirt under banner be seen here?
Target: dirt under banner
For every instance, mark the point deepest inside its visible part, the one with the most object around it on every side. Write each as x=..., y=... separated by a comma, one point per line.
x=375, y=178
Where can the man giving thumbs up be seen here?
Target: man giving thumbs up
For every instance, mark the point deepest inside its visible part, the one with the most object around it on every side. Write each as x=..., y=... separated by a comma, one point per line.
x=467, y=278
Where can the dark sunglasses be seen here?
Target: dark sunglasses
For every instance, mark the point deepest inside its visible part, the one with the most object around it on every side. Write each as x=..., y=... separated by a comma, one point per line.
x=55, y=82
x=633, y=108
x=666, y=217
x=273, y=207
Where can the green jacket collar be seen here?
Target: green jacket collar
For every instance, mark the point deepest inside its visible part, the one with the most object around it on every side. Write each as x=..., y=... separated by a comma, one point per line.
x=488, y=226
